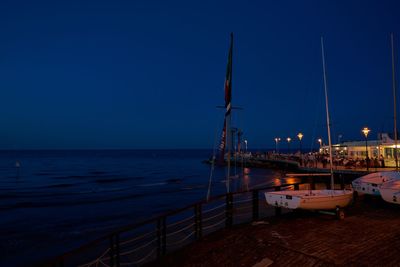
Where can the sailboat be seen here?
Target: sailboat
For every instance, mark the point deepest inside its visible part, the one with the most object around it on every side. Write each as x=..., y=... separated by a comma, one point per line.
x=371, y=183
x=226, y=132
x=328, y=199
x=390, y=191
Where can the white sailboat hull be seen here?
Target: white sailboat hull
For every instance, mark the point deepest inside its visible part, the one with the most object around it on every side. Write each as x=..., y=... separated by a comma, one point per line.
x=370, y=184
x=310, y=199
x=390, y=191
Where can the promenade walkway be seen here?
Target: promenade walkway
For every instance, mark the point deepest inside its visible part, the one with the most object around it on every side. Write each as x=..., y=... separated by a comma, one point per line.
x=368, y=236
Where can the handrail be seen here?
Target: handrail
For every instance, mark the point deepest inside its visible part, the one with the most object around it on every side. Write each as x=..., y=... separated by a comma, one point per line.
x=152, y=220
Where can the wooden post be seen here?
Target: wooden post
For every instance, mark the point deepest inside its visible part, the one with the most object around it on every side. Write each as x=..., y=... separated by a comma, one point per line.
x=198, y=221
x=164, y=236
x=312, y=183
x=341, y=182
x=158, y=238
x=328, y=185
x=278, y=210
x=255, y=205
x=111, y=251
x=229, y=210
x=296, y=187
x=117, y=262
x=200, y=231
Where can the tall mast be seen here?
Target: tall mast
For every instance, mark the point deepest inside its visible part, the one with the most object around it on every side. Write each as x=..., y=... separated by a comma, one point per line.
x=327, y=113
x=228, y=105
x=394, y=104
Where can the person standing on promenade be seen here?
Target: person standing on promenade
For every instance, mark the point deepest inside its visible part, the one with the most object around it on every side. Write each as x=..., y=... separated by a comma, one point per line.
x=382, y=160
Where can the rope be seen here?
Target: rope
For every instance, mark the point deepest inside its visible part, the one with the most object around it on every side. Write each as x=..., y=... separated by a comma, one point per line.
x=178, y=222
x=181, y=241
x=212, y=217
x=243, y=201
x=243, y=214
x=96, y=260
x=213, y=225
x=136, y=238
x=139, y=261
x=181, y=230
x=217, y=207
x=100, y=261
x=242, y=208
x=136, y=249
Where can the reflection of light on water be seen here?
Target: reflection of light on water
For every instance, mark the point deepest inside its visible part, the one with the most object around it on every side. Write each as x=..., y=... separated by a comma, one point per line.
x=290, y=180
x=277, y=181
x=246, y=170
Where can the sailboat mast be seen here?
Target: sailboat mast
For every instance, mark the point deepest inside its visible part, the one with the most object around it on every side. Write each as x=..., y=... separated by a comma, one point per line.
x=327, y=113
x=394, y=104
x=228, y=106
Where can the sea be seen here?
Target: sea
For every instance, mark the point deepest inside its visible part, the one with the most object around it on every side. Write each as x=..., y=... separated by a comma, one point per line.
x=52, y=201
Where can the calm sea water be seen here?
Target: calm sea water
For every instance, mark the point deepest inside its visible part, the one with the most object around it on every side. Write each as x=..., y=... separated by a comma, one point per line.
x=57, y=200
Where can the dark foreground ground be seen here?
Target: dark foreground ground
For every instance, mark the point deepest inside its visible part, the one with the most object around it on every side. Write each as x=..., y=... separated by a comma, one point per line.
x=368, y=236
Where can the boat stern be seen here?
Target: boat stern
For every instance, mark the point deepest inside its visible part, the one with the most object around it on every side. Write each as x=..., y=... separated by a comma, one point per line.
x=279, y=199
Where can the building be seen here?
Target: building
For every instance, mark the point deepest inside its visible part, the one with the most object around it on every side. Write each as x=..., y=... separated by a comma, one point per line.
x=384, y=146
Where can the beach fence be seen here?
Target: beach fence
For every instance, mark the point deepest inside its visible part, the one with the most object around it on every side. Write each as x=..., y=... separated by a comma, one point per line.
x=141, y=243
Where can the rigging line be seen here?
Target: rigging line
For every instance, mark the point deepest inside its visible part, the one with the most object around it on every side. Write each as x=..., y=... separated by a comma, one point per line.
x=213, y=159
x=318, y=107
x=212, y=167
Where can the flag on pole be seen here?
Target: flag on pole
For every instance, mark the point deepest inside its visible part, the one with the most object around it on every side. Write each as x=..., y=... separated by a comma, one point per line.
x=228, y=107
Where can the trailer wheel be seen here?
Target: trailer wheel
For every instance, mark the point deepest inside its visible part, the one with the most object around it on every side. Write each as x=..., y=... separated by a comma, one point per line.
x=340, y=214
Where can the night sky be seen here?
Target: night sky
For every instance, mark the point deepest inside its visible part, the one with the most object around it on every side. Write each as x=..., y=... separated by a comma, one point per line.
x=149, y=74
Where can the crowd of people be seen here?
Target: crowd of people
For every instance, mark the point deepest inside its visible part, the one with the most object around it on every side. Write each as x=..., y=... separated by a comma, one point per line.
x=318, y=160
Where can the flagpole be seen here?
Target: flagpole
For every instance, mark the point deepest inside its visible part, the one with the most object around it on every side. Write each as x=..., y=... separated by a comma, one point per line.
x=228, y=119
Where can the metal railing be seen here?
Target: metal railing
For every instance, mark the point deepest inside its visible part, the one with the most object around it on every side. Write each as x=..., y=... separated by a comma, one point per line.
x=140, y=243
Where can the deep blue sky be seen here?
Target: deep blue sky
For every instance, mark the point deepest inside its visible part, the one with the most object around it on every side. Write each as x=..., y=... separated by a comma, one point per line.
x=148, y=74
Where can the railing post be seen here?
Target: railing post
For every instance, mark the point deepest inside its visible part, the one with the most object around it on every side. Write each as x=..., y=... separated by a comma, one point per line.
x=161, y=236
x=278, y=210
x=117, y=250
x=197, y=221
x=158, y=238
x=164, y=235
x=196, y=227
x=229, y=210
x=255, y=205
x=342, y=185
x=200, y=221
x=111, y=251
x=328, y=185
x=312, y=183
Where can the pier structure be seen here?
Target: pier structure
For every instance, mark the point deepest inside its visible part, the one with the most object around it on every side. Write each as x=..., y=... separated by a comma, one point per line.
x=153, y=239
x=368, y=236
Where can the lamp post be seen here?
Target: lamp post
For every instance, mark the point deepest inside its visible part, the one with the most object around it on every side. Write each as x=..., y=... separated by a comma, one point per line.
x=366, y=131
x=300, y=136
x=245, y=143
x=277, y=139
x=320, y=143
x=288, y=143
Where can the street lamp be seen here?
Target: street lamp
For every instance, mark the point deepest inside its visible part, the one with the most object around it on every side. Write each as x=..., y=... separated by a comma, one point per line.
x=245, y=143
x=320, y=143
x=300, y=136
x=366, y=131
x=277, y=139
x=288, y=143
